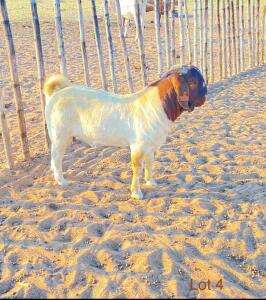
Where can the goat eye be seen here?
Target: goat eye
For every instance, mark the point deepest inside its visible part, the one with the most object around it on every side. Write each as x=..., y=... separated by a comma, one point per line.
x=192, y=84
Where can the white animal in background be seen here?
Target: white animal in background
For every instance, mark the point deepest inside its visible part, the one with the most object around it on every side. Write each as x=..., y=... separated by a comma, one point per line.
x=141, y=120
x=128, y=11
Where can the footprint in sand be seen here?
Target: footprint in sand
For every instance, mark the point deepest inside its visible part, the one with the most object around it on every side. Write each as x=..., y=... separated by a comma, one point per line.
x=35, y=292
x=88, y=260
x=247, y=235
x=260, y=262
x=6, y=285
x=111, y=244
x=46, y=224
x=28, y=204
x=53, y=206
x=95, y=230
x=14, y=221
x=53, y=281
x=63, y=237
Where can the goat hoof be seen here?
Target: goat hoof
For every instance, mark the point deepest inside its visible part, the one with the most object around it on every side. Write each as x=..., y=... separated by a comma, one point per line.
x=137, y=195
x=63, y=183
x=151, y=182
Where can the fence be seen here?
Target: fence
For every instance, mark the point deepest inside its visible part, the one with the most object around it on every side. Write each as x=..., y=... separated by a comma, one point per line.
x=221, y=37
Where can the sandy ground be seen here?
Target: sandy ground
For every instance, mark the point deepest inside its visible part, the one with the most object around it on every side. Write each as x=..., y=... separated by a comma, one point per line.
x=206, y=220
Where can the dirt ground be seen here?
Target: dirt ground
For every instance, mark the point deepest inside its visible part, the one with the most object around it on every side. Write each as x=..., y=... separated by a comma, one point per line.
x=206, y=220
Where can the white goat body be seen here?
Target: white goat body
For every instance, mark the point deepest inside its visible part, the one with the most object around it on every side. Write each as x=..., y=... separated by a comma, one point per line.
x=99, y=118
x=141, y=120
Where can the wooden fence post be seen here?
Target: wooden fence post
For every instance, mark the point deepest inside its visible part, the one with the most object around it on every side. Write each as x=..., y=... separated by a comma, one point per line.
x=219, y=40
x=196, y=40
x=5, y=134
x=253, y=34
x=15, y=79
x=229, y=50
x=188, y=33
x=242, y=45
x=238, y=35
x=83, y=43
x=211, y=43
x=99, y=45
x=234, y=36
x=225, y=46
x=249, y=33
x=206, y=41
x=182, y=43
x=143, y=12
x=263, y=42
x=141, y=44
x=110, y=46
x=40, y=64
x=258, y=33
x=167, y=34
x=158, y=36
x=173, y=40
x=124, y=46
x=60, y=37
x=201, y=34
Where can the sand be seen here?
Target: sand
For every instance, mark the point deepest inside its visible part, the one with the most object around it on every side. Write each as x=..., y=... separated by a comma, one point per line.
x=205, y=220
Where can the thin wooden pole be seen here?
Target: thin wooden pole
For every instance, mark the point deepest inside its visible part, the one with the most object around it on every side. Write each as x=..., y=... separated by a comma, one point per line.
x=173, y=47
x=225, y=65
x=263, y=41
x=15, y=79
x=110, y=46
x=188, y=33
x=99, y=45
x=196, y=39
x=158, y=36
x=249, y=33
x=201, y=34
x=167, y=34
x=143, y=12
x=211, y=43
x=182, y=44
x=206, y=41
x=229, y=50
x=5, y=135
x=40, y=64
x=203, y=41
x=219, y=39
x=253, y=28
x=238, y=36
x=124, y=46
x=60, y=37
x=141, y=44
x=234, y=37
x=258, y=33
x=242, y=46
x=83, y=43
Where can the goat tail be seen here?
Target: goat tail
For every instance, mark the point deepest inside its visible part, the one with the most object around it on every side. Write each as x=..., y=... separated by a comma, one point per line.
x=54, y=83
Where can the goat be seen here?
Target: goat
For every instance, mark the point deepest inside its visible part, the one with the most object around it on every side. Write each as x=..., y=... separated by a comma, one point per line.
x=128, y=10
x=141, y=120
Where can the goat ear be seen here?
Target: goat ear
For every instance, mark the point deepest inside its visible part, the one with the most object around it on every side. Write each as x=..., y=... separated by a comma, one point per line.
x=183, y=96
x=182, y=90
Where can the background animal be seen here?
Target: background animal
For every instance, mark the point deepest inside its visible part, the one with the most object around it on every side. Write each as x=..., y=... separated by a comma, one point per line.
x=128, y=11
